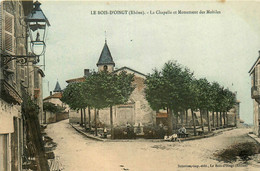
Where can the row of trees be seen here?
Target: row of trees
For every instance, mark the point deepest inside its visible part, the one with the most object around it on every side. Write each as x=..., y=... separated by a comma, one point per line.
x=176, y=89
x=99, y=90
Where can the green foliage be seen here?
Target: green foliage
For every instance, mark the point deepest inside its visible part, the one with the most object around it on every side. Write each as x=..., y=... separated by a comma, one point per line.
x=175, y=87
x=48, y=106
x=99, y=90
x=108, y=89
x=75, y=96
x=168, y=88
x=203, y=93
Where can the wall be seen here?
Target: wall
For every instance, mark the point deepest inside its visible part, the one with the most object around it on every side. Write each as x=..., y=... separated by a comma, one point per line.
x=55, y=117
x=137, y=110
x=11, y=129
x=74, y=116
x=256, y=117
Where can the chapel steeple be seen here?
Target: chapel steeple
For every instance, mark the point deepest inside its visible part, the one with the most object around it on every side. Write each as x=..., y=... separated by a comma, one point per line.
x=105, y=61
x=57, y=87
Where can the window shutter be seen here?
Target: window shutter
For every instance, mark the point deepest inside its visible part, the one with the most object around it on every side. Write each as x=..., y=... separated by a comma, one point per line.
x=9, y=33
x=1, y=26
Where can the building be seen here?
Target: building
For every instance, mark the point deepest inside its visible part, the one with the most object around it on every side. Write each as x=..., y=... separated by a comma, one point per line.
x=255, y=94
x=136, y=111
x=55, y=98
x=16, y=75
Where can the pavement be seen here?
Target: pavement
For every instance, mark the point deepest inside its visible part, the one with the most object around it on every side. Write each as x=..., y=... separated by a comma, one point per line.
x=257, y=139
x=81, y=130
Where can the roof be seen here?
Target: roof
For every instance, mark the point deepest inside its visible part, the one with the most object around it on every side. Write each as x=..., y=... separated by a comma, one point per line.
x=256, y=62
x=80, y=79
x=56, y=95
x=127, y=68
x=105, y=57
x=37, y=14
x=57, y=87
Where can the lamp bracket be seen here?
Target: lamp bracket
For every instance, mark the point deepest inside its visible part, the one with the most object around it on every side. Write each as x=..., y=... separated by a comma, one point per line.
x=22, y=59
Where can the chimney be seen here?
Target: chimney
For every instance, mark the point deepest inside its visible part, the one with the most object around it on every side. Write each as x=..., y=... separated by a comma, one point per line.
x=86, y=72
x=50, y=93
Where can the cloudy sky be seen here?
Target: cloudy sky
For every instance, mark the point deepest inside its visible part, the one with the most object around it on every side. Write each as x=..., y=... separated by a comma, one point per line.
x=221, y=47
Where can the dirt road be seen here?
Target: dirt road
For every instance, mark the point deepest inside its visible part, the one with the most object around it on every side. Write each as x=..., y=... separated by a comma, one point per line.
x=78, y=153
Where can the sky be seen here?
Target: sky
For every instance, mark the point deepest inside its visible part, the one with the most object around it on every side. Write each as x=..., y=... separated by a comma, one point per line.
x=220, y=47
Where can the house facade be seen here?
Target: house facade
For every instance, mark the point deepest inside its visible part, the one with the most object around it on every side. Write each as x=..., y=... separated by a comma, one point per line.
x=16, y=76
x=136, y=111
x=54, y=98
x=255, y=94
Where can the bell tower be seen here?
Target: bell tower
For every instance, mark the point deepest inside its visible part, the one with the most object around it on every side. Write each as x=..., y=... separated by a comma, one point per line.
x=105, y=61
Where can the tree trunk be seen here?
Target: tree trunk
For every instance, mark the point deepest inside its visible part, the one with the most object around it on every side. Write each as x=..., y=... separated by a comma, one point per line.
x=220, y=116
x=170, y=125
x=201, y=120
x=208, y=118
x=227, y=119
x=194, y=124
x=182, y=116
x=89, y=118
x=217, y=119
x=85, y=119
x=224, y=117
x=111, y=122
x=186, y=116
x=81, y=117
x=177, y=120
x=96, y=122
x=213, y=119
x=235, y=120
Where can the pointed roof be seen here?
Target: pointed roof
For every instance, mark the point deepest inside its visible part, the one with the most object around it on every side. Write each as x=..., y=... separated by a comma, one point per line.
x=105, y=57
x=57, y=87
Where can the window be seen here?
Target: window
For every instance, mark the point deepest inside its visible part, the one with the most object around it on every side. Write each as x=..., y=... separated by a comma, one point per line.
x=105, y=68
x=8, y=32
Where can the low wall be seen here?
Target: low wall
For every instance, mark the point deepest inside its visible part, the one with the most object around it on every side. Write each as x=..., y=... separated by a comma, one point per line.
x=55, y=117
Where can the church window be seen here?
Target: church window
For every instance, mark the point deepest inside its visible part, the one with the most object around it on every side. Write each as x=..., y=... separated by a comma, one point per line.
x=105, y=68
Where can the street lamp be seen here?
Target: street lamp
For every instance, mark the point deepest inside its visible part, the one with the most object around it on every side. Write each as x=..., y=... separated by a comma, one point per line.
x=37, y=24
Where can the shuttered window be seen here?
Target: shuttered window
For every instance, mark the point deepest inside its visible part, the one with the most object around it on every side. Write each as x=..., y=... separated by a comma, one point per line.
x=1, y=26
x=9, y=33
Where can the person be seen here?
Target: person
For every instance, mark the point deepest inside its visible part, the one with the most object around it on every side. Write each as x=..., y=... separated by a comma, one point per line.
x=182, y=131
x=173, y=137
x=161, y=130
x=128, y=129
x=105, y=132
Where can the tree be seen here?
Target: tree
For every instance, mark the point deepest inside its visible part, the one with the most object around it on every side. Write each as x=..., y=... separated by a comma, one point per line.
x=228, y=101
x=204, y=98
x=75, y=95
x=109, y=89
x=166, y=89
x=48, y=106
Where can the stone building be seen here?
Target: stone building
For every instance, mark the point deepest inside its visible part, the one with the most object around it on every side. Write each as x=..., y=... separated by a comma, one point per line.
x=54, y=98
x=136, y=111
x=255, y=94
x=15, y=75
